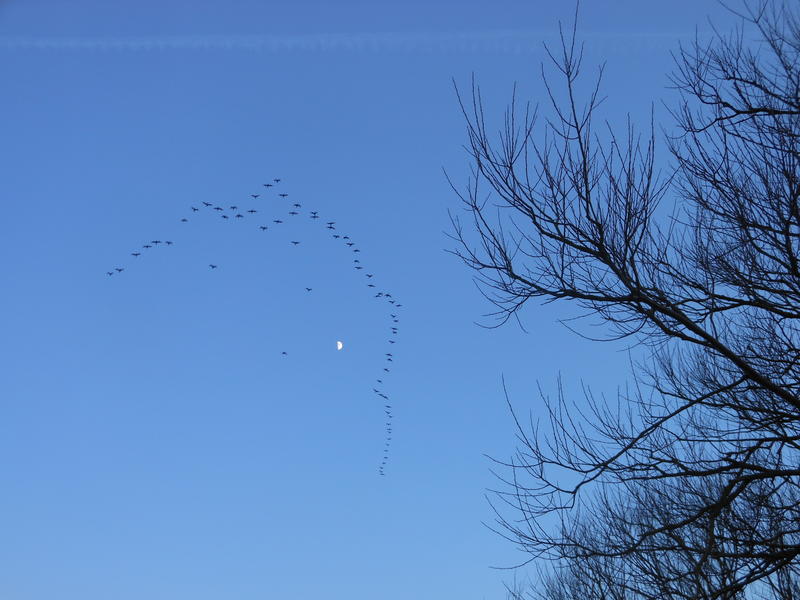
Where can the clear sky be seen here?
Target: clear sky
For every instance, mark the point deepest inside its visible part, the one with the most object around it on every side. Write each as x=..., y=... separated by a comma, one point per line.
x=154, y=441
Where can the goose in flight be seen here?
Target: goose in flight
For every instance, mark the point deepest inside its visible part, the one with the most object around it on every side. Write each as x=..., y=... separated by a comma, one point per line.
x=267, y=184
x=207, y=203
x=224, y=216
x=293, y=212
x=252, y=211
x=283, y=195
x=239, y=216
x=277, y=221
x=296, y=205
x=147, y=246
x=213, y=266
x=137, y=254
x=109, y=273
x=308, y=289
x=195, y=209
x=295, y=243
x=168, y=243
x=276, y=180
x=254, y=196
x=263, y=227
x=184, y=220
x=119, y=269
x=234, y=207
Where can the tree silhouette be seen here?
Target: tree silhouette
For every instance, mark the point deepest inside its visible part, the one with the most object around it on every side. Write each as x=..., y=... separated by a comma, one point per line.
x=696, y=471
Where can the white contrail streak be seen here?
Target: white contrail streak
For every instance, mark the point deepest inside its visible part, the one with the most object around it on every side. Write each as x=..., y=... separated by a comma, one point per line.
x=505, y=42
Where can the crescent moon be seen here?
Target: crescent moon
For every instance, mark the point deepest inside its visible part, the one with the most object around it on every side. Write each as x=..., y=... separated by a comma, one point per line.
x=339, y=345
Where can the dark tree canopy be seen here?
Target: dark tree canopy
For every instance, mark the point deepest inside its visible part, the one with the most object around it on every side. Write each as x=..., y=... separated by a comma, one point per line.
x=690, y=487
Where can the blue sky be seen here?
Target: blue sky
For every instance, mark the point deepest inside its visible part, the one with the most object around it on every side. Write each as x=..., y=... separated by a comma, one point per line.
x=155, y=442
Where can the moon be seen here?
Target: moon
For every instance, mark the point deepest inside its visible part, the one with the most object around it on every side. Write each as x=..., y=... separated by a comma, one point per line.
x=339, y=345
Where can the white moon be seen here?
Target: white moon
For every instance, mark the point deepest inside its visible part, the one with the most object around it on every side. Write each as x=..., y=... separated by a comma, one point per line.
x=339, y=345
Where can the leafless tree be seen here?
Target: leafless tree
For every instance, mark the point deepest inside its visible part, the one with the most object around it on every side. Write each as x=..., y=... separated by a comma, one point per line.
x=710, y=286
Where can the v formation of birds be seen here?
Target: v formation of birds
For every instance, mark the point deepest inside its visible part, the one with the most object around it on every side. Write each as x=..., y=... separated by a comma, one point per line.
x=269, y=199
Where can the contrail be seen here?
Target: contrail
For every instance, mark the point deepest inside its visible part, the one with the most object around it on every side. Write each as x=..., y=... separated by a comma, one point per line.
x=504, y=42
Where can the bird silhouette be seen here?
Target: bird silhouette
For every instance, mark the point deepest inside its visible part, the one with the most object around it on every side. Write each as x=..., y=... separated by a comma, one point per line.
x=195, y=209
x=295, y=243
x=263, y=227
x=119, y=269
x=184, y=220
x=136, y=254
x=277, y=221
x=252, y=211
x=213, y=266
x=254, y=196
x=207, y=203
x=276, y=180
x=283, y=195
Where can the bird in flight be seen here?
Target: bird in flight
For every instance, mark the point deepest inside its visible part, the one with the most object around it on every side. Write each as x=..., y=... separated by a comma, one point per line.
x=224, y=216
x=168, y=243
x=109, y=272
x=277, y=221
x=369, y=275
x=218, y=208
x=293, y=212
x=147, y=246
x=351, y=243
x=295, y=243
x=119, y=269
x=136, y=254
x=239, y=216
x=276, y=180
x=156, y=242
x=296, y=205
x=252, y=211
x=284, y=354
x=234, y=207
x=263, y=227
x=207, y=203
x=254, y=196
x=308, y=289
x=213, y=266
x=194, y=209
x=184, y=220
x=336, y=236
x=283, y=195
x=267, y=184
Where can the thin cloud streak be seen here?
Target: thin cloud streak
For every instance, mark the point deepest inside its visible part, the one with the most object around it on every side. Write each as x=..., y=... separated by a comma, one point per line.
x=504, y=42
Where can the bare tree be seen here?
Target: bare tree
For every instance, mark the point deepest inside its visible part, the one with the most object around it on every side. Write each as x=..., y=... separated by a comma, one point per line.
x=712, y=292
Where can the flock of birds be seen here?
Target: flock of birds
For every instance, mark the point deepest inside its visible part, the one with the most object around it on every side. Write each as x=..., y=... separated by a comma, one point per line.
x=280, y=201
